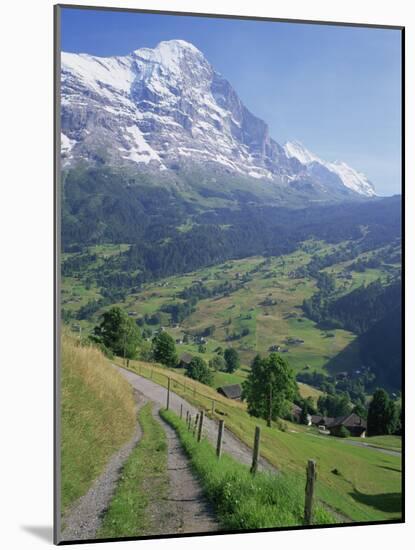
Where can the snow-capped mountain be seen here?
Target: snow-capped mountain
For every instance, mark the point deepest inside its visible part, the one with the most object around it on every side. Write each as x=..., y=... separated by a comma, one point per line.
x=351, y=178
x=166, y=108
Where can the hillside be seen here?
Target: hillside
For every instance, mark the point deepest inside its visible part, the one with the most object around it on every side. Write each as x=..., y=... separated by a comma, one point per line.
x=98, y=415
x=352, y=480
x=251, y=304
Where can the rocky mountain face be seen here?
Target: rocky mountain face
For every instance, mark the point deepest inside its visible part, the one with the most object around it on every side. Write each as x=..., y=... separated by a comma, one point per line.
x=164, y=109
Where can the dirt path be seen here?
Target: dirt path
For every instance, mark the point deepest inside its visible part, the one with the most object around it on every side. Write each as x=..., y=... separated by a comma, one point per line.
x=363, y=445
x=231, y=444
x=186, y=509
x=373, y=448
x=84, y=518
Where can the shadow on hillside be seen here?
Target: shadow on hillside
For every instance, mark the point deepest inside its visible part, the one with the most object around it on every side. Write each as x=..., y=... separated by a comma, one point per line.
x=385, y=502
x=392, y=469
x=347, y=360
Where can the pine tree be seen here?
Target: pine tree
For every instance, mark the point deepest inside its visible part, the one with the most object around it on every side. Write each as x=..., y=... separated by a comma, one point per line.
x=382, y=418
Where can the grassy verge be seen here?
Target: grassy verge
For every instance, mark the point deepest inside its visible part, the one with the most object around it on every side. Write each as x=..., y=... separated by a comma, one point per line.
x=98, y=416
x=143, y=481
x=360, y=483
x=243, y=501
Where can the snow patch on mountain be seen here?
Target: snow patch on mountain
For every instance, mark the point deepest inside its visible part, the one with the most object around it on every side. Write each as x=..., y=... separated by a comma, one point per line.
x=66, y=144
x=351, y=178
x=140, y=150
x=297, y=150
x=357, y=181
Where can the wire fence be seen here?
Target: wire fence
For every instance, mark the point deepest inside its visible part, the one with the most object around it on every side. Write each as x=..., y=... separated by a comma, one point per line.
x=189, y=390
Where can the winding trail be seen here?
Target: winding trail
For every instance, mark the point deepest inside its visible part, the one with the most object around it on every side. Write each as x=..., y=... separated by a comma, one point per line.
x=231, y=444
x=185, y=510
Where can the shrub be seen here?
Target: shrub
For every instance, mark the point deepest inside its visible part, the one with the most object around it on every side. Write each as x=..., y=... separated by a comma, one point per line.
x=198, y=370
x=343, y=432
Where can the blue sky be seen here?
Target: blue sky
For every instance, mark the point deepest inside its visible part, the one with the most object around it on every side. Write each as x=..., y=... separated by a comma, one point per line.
x=335, y=89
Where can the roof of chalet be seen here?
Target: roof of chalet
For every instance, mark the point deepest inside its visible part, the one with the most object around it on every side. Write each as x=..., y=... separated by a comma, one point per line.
x=320, y=419
x=185, y=358
x=233, y=391
x=351, y=420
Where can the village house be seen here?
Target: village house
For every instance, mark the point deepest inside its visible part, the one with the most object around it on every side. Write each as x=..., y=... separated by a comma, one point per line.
x=185, y=360
x=233, y=391
x=352, y=422
x=320, y=421
x=274, y=348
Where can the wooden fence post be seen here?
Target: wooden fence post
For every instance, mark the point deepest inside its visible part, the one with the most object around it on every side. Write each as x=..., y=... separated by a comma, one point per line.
x=189, y=425
x=187, y=417
x=195, y=424
x=168, y=393
x=181, y=411
x=309, y=492
x=220, y=437
x=199, y=434
x=255, y=453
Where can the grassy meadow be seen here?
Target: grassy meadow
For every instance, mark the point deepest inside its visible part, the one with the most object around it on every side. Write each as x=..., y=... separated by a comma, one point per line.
x=263, y=308
x=98, y=415
x=265, y=301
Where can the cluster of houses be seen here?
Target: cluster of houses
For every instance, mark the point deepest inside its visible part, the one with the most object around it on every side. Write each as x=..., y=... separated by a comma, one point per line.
x=355, y=425
x=327, y=425
x=352, y=422
x=331, y=426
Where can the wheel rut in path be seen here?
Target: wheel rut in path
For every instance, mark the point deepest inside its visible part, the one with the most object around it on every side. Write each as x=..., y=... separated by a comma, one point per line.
x=186, y=509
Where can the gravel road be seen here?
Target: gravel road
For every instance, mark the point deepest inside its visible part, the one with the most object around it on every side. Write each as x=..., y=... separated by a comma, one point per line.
x=231, y=444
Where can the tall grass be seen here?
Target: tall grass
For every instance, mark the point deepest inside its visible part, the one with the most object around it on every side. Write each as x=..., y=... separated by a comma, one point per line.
x=241, y=500
x=143, y=484
x=98, y=416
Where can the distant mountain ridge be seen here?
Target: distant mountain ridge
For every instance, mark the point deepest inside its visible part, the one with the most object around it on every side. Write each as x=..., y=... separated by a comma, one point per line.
x=351, y=178
x=166, y=109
